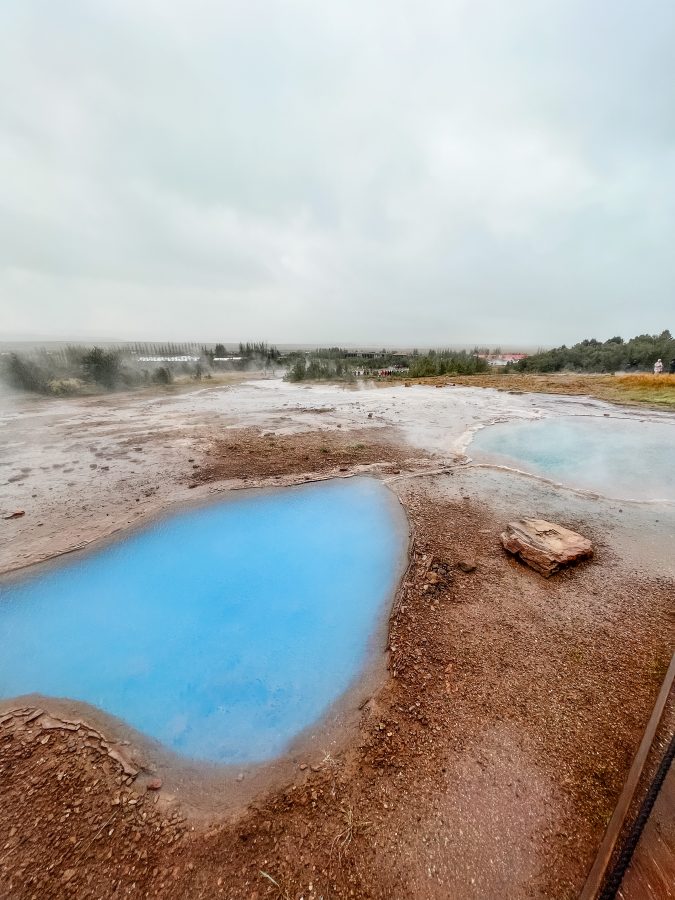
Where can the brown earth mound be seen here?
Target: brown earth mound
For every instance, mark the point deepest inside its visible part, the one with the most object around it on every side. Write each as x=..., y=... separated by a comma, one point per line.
x=247, y=454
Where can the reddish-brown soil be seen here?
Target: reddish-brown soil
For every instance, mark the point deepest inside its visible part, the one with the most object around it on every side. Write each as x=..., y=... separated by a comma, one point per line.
x=246, y=454
x=487, y=765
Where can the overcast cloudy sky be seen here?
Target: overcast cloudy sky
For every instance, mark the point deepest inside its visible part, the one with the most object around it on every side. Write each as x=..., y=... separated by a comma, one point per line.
x=325, y=170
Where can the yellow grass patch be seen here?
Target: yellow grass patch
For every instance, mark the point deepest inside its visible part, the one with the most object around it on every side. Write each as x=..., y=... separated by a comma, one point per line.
x=647, y=382
x=633, y=390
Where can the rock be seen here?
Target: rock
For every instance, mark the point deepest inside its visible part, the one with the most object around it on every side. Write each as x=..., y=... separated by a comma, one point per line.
x=545, y=546
x=15, y=514
x=119, y=754
x=466, y=565
x=48, y=723
x=154, y=784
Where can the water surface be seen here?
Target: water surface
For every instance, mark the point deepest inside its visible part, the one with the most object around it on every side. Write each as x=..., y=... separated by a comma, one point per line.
x=222, y=632
x=622, y=458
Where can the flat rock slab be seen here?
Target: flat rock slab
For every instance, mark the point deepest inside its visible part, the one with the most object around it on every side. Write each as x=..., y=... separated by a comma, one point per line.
x=545, y=546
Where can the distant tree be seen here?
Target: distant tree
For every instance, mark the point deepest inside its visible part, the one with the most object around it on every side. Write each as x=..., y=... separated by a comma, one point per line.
x=446, y=362
x=259, y=349
x=220, y=350
x=25, y=374
x=102, y=367
x=162, y=375
x=613, y=355
x=298, y=370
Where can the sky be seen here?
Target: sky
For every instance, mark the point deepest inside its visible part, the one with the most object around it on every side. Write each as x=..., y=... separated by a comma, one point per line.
x=371, y=172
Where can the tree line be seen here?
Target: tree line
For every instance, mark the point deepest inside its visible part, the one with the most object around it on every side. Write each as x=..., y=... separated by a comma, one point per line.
x=75, y=369
x=613, y=355
x=447, y=362
x=336, y=363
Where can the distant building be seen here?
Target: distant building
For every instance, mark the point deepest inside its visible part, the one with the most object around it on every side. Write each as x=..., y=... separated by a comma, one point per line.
x=168, y=359
x=362, y=354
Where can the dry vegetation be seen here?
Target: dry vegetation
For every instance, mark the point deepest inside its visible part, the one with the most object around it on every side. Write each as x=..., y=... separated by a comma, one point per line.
x=656, y=389
x=643, y=390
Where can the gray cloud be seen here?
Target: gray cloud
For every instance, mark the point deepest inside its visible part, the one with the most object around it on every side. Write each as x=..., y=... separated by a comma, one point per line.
x=365, y=172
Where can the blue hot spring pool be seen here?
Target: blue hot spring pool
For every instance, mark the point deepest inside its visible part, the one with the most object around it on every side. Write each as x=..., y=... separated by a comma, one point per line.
x=222, y=632
x=621, y=458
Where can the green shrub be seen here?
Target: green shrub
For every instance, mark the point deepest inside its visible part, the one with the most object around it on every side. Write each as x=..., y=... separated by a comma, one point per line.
x=25, y=374
x=102, y=366
x=162, y=375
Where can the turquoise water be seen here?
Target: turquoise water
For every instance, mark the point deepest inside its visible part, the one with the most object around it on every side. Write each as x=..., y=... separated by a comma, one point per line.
x=222, y=632
x=622, y=458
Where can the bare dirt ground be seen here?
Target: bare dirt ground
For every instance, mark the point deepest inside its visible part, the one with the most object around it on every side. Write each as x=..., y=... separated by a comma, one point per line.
x=248, y=454
x=486, y=766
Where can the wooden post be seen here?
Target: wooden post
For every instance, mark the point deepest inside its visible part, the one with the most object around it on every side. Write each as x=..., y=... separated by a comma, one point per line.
x=598, y=871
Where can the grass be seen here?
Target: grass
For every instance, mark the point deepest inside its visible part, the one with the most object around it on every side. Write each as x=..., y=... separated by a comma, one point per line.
x=653, y=389
x=348, y=832
x=281, y=893
x=637, y=390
